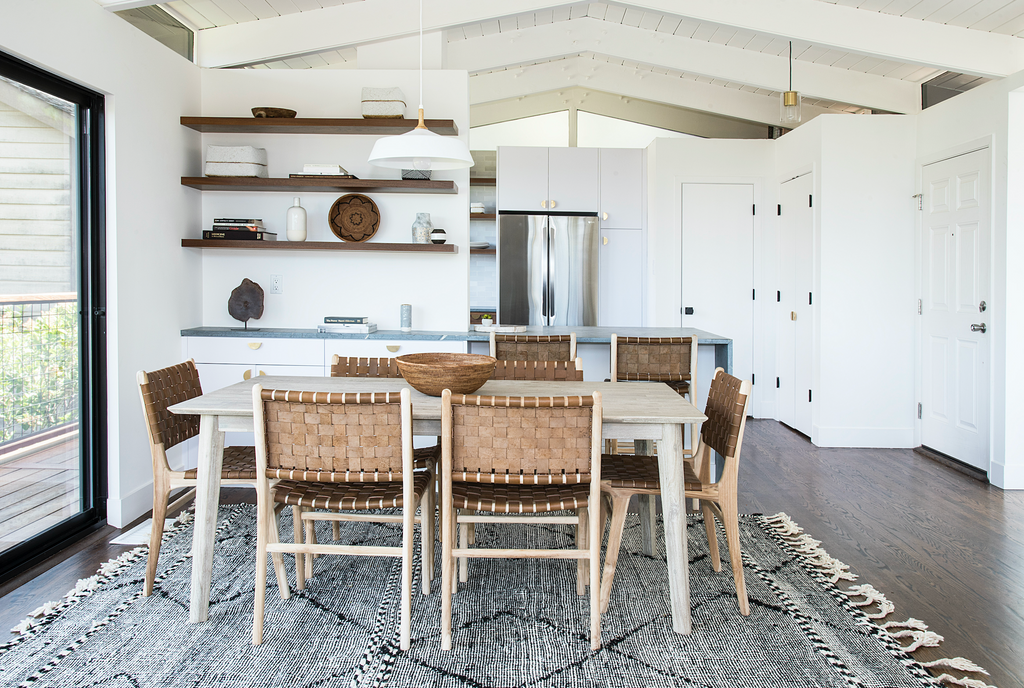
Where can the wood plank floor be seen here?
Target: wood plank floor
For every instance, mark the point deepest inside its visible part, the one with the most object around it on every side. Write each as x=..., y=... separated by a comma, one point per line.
x=38, y=490
x=943, y=547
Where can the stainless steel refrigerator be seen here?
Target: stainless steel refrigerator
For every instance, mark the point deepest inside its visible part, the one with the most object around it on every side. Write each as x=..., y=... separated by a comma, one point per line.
x=547, y=269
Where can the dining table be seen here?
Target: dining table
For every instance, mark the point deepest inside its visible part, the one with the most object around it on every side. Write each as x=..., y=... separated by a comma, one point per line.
x=641, y=411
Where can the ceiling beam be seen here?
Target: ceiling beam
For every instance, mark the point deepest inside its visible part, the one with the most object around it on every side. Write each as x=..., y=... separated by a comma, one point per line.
x=623, y=81
x=735, y=65
x=824, y=24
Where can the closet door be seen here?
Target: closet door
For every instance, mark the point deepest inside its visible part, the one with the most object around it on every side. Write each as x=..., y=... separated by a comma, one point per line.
x=796, y=303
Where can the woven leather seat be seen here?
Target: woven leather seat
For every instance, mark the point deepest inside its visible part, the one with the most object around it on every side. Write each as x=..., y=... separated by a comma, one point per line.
x=348, y=496
x=239, y=464
x=519, y=499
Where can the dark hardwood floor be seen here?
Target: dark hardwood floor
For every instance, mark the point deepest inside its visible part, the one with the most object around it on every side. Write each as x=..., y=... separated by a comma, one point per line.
x=943, y=547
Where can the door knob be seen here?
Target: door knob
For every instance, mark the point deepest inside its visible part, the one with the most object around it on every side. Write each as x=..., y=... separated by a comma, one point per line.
x=604, y=216
x=979, y=328
x=543, y=204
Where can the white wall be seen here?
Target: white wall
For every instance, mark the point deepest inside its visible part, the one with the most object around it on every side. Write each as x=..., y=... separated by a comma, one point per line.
x=153, y=286
x=599, y=131
x=334, y=282
x=992, y=115
x=550, y=130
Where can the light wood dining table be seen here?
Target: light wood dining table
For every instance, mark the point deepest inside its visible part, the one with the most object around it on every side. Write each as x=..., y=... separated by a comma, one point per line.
x=632, y=411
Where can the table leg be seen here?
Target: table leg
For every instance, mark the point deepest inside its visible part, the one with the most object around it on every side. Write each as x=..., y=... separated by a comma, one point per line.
x=648, y=513
x=211, y=458
x=673, y=509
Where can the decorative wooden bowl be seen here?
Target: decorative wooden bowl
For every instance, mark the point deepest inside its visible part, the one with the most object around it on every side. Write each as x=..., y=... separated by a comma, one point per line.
x=354, y=217
x=435, y=372
x=273, y=112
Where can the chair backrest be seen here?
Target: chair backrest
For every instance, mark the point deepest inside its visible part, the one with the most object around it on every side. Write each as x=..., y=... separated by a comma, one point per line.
x=539, y=370
x=364, y=367
x=521, y=440
x=654, y=359
x=159, y=390
x=726, y=410
x=529, y=347
x=333, y=437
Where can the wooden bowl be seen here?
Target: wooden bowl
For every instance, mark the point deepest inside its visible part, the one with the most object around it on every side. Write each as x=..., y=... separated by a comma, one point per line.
x=432, y=373
x=284, y=113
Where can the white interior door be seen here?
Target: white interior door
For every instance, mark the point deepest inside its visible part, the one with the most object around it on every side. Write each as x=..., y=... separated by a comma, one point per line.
x=795, y=302
x=718, y=269
x=955, y=284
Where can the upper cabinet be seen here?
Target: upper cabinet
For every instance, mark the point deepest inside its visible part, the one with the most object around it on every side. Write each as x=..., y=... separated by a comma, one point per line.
x=622, y=172
x=538, y=180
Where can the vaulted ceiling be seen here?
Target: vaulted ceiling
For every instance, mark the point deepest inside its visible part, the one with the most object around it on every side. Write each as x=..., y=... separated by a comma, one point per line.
x=726, y=57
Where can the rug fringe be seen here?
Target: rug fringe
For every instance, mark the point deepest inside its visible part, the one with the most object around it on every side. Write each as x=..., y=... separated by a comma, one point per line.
x=915, y=629
x=85, y=586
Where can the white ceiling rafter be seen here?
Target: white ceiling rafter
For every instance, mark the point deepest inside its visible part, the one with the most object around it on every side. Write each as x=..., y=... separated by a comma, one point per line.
x=716, y=61
x=811, y=24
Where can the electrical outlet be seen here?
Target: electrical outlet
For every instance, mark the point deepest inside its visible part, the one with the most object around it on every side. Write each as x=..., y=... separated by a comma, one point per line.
x=276, y=284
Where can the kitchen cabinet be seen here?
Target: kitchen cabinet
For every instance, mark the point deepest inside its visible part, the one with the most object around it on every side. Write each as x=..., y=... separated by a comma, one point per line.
x=385, y=348
x=621, y=280
x=622, y=174
x=543, y=179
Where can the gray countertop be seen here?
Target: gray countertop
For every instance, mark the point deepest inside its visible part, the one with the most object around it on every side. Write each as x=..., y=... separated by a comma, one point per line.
x=584, y=335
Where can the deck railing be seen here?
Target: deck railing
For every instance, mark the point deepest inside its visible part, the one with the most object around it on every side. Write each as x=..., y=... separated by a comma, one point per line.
x=38, y=363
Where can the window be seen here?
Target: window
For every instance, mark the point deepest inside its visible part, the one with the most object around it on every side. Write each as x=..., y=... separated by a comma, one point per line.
x=163, y=27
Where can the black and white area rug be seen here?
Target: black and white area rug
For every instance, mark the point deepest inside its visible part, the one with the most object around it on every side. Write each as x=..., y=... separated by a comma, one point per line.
x=516, y=623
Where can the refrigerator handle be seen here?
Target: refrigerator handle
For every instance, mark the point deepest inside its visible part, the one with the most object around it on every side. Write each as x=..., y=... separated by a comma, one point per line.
x=549, y=288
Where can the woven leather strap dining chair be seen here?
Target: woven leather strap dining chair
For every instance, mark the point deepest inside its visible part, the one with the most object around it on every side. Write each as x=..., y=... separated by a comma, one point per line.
x=722, y=432
x=550, y=371
x=158, y=390
x=529, y=347
x=341, y=452
x=522, y=458
x=672, y=360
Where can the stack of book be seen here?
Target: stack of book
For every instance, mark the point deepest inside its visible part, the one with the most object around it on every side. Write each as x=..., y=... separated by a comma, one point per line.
x=346, y=323
x=315, y=170
x=246, y=229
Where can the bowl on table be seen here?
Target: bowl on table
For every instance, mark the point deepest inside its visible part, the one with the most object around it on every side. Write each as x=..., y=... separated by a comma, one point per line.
x=432, y=373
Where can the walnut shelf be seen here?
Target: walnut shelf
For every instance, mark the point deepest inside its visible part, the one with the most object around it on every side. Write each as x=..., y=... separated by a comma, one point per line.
x=483, y=216
x=483, y=181
x=318, y=246
x=484, y=251
x=314, y=125
x=421, y=186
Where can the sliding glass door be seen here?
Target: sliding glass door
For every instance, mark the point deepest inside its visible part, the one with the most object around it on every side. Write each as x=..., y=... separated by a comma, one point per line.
x=52, y=398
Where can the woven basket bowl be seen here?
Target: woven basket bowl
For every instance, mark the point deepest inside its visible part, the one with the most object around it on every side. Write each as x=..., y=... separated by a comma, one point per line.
x=435, y=372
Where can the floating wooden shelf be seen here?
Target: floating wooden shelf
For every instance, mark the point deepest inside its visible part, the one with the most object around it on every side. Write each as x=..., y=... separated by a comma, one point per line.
x=422, y=186
x=484, y=251
x=317, y=125
x=483, y=216
x=319, y=246
x=483, y=181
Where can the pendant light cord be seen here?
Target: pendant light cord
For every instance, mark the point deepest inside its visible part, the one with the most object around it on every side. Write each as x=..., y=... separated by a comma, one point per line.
x=421, y=59
x=421, y=56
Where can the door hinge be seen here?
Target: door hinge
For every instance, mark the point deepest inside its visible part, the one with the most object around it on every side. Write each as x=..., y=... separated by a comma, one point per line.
x=780, y=209
x=753, y=209
x=919, y=410
x=919, y=306
x=85, y=125
x=920, y=201
x=808, y=395
x=776, y=383
x=810, y=201
x=680, y=310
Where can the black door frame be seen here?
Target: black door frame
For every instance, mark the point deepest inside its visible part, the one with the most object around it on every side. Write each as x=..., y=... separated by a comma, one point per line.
x=92, y=318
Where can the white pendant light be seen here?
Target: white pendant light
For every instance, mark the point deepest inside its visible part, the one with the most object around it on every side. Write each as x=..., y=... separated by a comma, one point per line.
x=790, y=113
x=421, y=149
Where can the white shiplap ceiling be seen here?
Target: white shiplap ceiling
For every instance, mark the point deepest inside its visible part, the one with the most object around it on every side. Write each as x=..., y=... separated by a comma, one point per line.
x=857, y=55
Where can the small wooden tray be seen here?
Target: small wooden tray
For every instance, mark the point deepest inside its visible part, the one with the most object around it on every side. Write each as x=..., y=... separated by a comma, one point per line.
x=354, y=217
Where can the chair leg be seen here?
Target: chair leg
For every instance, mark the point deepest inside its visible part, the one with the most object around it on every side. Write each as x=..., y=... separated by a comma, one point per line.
x=261, y=576
x=311, y=539
x=161, y=494
x=472, y=533
x=273, y=536
x=336, y=530
x=619, y=506
x=447, y=577
x=464, y=543
x=426, y=541
x=581, y=543
x=709, y=527
x=730, y=519
x=408, y=523
x=300, y=560
x=594, y=560
x=648, y=516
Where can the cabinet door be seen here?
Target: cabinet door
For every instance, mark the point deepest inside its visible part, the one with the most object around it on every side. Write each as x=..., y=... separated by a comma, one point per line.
x=574, y=179
x=622, y=173
x=522, y=178
x=621, y=288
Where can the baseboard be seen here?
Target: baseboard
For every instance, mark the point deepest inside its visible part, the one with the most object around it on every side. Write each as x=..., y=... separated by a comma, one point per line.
x=121, y=512
x=1007, y=477
x=864, y=438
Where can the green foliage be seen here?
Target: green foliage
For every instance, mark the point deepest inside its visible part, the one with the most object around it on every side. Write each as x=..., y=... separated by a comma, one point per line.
x=38, y=367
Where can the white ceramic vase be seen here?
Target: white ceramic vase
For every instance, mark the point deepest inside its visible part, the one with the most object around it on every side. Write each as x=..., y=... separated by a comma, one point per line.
x=295, y=222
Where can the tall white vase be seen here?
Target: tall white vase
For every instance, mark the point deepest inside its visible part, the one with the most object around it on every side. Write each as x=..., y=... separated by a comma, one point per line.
x=296, y=222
